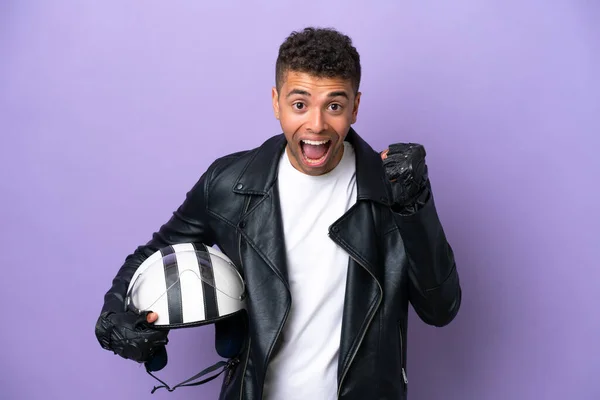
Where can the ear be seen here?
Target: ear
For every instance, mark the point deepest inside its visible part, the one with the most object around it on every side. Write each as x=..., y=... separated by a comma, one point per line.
x=275, y=99
x=356, y=104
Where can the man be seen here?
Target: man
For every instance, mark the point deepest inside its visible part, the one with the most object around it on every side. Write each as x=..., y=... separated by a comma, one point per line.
x=333, y=240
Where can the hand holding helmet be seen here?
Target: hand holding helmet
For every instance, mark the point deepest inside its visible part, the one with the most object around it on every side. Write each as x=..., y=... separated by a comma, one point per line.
x=130, y=335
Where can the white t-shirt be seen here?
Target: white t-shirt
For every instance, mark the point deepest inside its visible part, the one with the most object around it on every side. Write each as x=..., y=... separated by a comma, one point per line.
x=305, y=368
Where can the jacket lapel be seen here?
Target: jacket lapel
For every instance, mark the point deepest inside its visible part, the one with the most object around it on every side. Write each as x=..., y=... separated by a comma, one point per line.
x=261, y=220
x=361, y=218
x=264, y=232
x=260, y=224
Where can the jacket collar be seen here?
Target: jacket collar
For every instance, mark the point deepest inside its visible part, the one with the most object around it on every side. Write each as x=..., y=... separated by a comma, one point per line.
x=260, y=173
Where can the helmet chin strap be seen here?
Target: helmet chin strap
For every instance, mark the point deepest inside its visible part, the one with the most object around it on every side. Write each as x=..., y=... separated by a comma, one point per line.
x=229, y=340
x=225, y=365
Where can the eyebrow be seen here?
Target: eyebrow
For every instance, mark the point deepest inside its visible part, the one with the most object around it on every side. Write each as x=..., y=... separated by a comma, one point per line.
x=338, y=93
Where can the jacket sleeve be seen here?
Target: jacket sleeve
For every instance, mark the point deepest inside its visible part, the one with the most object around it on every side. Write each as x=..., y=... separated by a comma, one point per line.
x=434, y=286
x=189, y=223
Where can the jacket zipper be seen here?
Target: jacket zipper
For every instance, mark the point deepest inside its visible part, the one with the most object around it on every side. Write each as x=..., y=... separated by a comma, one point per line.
x=404, y=377
x=362, y=336
x=285, y=318
x=230, y=370
x=242, y=377
x=249, y=338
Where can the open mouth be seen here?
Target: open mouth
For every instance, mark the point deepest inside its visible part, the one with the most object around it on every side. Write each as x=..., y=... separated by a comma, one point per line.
x=315, y=152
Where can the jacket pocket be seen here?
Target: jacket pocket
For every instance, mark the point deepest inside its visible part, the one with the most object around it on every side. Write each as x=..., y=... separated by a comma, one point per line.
x=402, y=357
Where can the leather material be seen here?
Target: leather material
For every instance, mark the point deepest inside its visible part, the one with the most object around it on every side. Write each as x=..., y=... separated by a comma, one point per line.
x=394, y=260
x=405, y=166
x=130, y=336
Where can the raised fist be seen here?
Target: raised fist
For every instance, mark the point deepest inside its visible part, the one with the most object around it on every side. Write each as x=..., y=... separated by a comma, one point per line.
x=405, y=167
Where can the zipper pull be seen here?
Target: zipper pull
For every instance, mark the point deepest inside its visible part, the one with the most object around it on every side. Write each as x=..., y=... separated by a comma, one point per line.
x=228, y=377
x=230, y=367
x=404, y=376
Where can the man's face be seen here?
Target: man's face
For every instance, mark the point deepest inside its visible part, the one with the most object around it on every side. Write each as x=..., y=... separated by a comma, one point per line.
x=315, y=116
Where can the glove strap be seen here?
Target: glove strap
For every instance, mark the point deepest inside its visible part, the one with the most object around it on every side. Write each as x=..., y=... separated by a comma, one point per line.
x=189, y=382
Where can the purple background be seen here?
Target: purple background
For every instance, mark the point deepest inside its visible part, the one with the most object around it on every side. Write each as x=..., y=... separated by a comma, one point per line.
x=110, y=111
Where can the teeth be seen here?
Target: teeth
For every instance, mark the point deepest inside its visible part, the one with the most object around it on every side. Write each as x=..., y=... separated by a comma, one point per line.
x=315, y=142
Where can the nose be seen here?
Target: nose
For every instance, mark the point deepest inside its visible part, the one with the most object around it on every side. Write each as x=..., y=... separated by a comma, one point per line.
x=316, y=122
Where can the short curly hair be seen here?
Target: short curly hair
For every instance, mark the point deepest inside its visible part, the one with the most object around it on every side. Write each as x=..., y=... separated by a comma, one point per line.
x=321, y=52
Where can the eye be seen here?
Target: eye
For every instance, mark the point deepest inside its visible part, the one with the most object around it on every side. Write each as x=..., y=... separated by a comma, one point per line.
x=298, y=105
x=335, y=107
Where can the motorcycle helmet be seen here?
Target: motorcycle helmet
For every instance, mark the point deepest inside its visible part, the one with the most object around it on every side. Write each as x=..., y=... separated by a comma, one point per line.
x=190, y=285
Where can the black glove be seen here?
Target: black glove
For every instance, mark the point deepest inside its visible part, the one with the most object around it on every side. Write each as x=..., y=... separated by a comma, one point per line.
x=405, y=167
x=130, y=335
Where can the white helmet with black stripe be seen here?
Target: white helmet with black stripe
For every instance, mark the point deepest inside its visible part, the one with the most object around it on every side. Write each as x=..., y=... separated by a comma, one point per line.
x=187, y=285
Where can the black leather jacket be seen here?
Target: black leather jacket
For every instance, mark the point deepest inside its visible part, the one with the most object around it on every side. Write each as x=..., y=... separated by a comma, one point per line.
x=393, y=260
